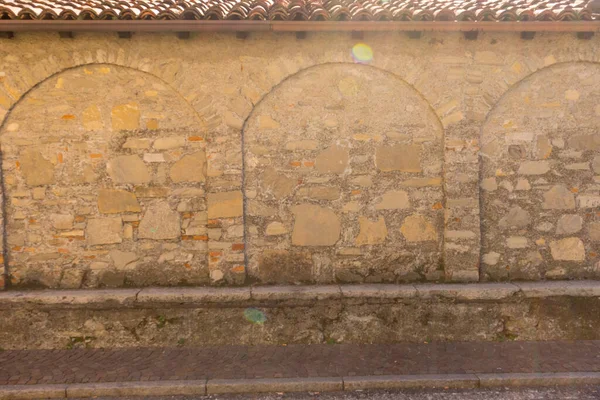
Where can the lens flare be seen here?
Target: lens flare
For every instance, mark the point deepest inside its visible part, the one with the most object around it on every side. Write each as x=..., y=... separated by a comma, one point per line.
x=255, y=316
x=362, y=53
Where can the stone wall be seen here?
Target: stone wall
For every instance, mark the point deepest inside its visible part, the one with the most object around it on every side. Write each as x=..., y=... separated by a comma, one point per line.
x=215, y=160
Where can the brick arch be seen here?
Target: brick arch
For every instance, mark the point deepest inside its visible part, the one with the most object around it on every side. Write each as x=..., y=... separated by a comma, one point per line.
x=538, y=146
x=109, y=154
x=291, y=169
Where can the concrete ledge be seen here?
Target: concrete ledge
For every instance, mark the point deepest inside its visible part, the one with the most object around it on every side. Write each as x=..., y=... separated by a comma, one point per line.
x=152, y=297
x=560, y=288
x=462, y=381
x=58, y=298
x=278, y=293
x=217, y=386
x=383, y=291
x=156, y=388
x=539, y=379
x=192, y=296
x=27, y=392
x=476, y=291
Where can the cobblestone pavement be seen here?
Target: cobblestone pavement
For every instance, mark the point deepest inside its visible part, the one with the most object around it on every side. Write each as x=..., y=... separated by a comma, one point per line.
x=230, y=362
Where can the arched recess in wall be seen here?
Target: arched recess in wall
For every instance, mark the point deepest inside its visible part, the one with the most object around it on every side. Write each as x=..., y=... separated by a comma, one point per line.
x=104, y=169
x=540, y=161
x=343, y=180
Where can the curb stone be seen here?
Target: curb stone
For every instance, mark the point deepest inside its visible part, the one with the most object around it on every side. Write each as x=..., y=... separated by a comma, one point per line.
x=454, y=381
x=538, y=379
x=217, y=386
x=221, y=386
x=17, y=392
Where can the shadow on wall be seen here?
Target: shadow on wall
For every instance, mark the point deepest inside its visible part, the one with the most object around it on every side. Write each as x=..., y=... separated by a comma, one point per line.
x=540, y=186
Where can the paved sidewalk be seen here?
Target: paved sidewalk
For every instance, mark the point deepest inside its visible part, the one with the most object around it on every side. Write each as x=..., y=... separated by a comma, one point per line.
x=293, y=361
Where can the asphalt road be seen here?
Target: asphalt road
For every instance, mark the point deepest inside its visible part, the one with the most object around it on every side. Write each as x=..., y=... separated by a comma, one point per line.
x=558, y=393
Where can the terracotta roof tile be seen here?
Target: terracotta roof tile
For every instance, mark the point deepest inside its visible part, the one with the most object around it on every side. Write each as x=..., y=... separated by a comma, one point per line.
x=305, y=10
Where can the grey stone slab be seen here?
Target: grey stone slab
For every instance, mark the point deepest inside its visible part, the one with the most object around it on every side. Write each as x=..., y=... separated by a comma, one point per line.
x=26, y=392
x=190, y=296
x=473, y=291
x=539, y=379
x=296, y=292
x=383, y=291
x=216, y=386
x=70, y=298
x=560, y=288
x=463, y=381
x=149, y=388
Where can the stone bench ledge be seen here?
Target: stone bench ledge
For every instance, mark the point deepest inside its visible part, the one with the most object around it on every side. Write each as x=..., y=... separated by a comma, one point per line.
x=197, y=295
x=560, y=288
x=120, y=297
x=151, y=297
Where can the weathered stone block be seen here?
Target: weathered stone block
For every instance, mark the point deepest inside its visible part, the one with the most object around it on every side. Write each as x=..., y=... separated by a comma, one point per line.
x=569, y=224
x=225, y=204
x=137, y=143
x=160, y=222
x=125, y=117
x=594, y=231
x=191, y=168
x=315, y=226
x=302, y=145
x=588, y=201
x=585, y=142
x=558, y=198
x=517, y=242
x=278, y=184
x=104, y=231
x=569, y=249
x=319, y=192
x=515, y=218
x=276, y=228
x=166, y=143
x=417, y=228
x=128, y=169
x=265, y=122
x=332, y=160
x=400, y=157
x=36, y=169
x=123, y=259
x=534, y=168
x=62, y=221
x=371, y=232
x=394, y=200
x=91, y=118
x=112, y=201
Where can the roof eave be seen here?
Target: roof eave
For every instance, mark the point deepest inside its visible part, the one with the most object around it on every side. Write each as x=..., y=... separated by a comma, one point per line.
x=292, y=26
